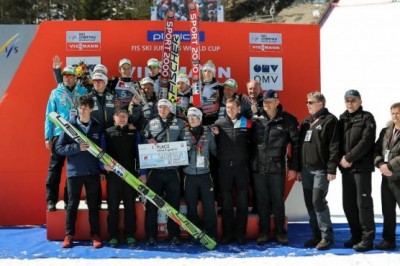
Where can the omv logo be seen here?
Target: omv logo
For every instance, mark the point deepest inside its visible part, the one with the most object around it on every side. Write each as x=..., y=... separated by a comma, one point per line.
x=10, y=46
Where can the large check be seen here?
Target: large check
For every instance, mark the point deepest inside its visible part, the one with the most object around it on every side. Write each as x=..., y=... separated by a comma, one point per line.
x=163, y=154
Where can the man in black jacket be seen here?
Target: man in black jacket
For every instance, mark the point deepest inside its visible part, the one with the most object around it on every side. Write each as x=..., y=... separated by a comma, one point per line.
x=233, y=142
x=357, y=137
x=273, y=131
x=121, y=142
x=319, y=159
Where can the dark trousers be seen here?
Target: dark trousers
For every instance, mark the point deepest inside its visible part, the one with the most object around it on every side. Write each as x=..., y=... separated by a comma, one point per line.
x=166, y=184
x=315, y=189
x=234, y=176
x=201, y=187
x=117, y=190
x=214, y=170
x=390, y=195
x=54, y=176
x=270, y=193
x=358, y=205
x=75, y=184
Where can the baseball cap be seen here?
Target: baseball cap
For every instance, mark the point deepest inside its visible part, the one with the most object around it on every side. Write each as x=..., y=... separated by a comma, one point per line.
x=194, y=111
x=153, y=62
x=146, y=80
x=68, y=70
x=270, y=94
x=230, y=83
x=165, y=102
x=124, y=61
x=100, y=68
x=352, y=93
x=100, y=76
x=120, y=110
x=183, y=78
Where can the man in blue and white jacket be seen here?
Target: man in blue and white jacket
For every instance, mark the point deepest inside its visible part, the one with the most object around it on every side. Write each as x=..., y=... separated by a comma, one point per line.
x=64, y=101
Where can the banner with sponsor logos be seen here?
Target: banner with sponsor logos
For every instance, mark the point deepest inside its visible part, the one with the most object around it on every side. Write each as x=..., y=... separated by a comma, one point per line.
x=282, y=57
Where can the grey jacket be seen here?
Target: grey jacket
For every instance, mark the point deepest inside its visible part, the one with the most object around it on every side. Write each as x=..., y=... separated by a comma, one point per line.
x=384, y=143
x=203, y=147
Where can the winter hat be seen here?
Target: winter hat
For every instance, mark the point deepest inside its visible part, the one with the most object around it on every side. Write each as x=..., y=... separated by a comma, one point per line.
x=352, y=93
x=183, y=78
x=124, y=61
x=68, y=70
x=270, y=94
x=194, y=111
x=100, y=68
x=165, y=102
x=153, y=62
x=146, y=80
x=209, y=65
x=100, y=76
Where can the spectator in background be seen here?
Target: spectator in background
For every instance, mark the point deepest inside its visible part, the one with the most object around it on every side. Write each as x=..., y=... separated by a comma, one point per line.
x=357, y=138
x=64, y=101
x=387, y=160
x=319, y=158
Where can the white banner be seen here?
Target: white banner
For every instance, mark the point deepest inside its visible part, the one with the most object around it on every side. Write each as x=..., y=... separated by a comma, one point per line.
x=164, y=154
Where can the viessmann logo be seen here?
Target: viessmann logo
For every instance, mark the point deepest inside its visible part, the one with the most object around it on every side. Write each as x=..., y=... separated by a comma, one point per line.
x=158, y=36
x=83, y=40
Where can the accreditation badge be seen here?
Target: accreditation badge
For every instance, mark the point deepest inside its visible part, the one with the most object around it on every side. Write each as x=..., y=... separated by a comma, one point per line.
x=200, y=161
x=308, y=136
x=73, y=113
x=387, y=156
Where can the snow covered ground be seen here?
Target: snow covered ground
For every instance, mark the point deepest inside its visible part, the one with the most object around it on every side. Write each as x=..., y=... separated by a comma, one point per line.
x=360, y=49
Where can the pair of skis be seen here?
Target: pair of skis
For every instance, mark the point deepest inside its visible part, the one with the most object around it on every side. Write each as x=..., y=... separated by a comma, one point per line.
x=132, y=180
x=170, y=58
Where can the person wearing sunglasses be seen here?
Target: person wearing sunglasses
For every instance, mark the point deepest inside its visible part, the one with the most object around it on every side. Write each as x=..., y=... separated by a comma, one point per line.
x=357, y=131
x=64, y=101
x=319, y=159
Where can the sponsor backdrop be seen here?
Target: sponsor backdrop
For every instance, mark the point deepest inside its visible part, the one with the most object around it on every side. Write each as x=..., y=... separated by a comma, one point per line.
x=282, y=57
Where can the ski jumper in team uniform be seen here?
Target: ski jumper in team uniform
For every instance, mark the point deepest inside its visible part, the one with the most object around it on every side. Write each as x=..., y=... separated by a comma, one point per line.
x=163, y=181
x=122, y=87
x=198, y=183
